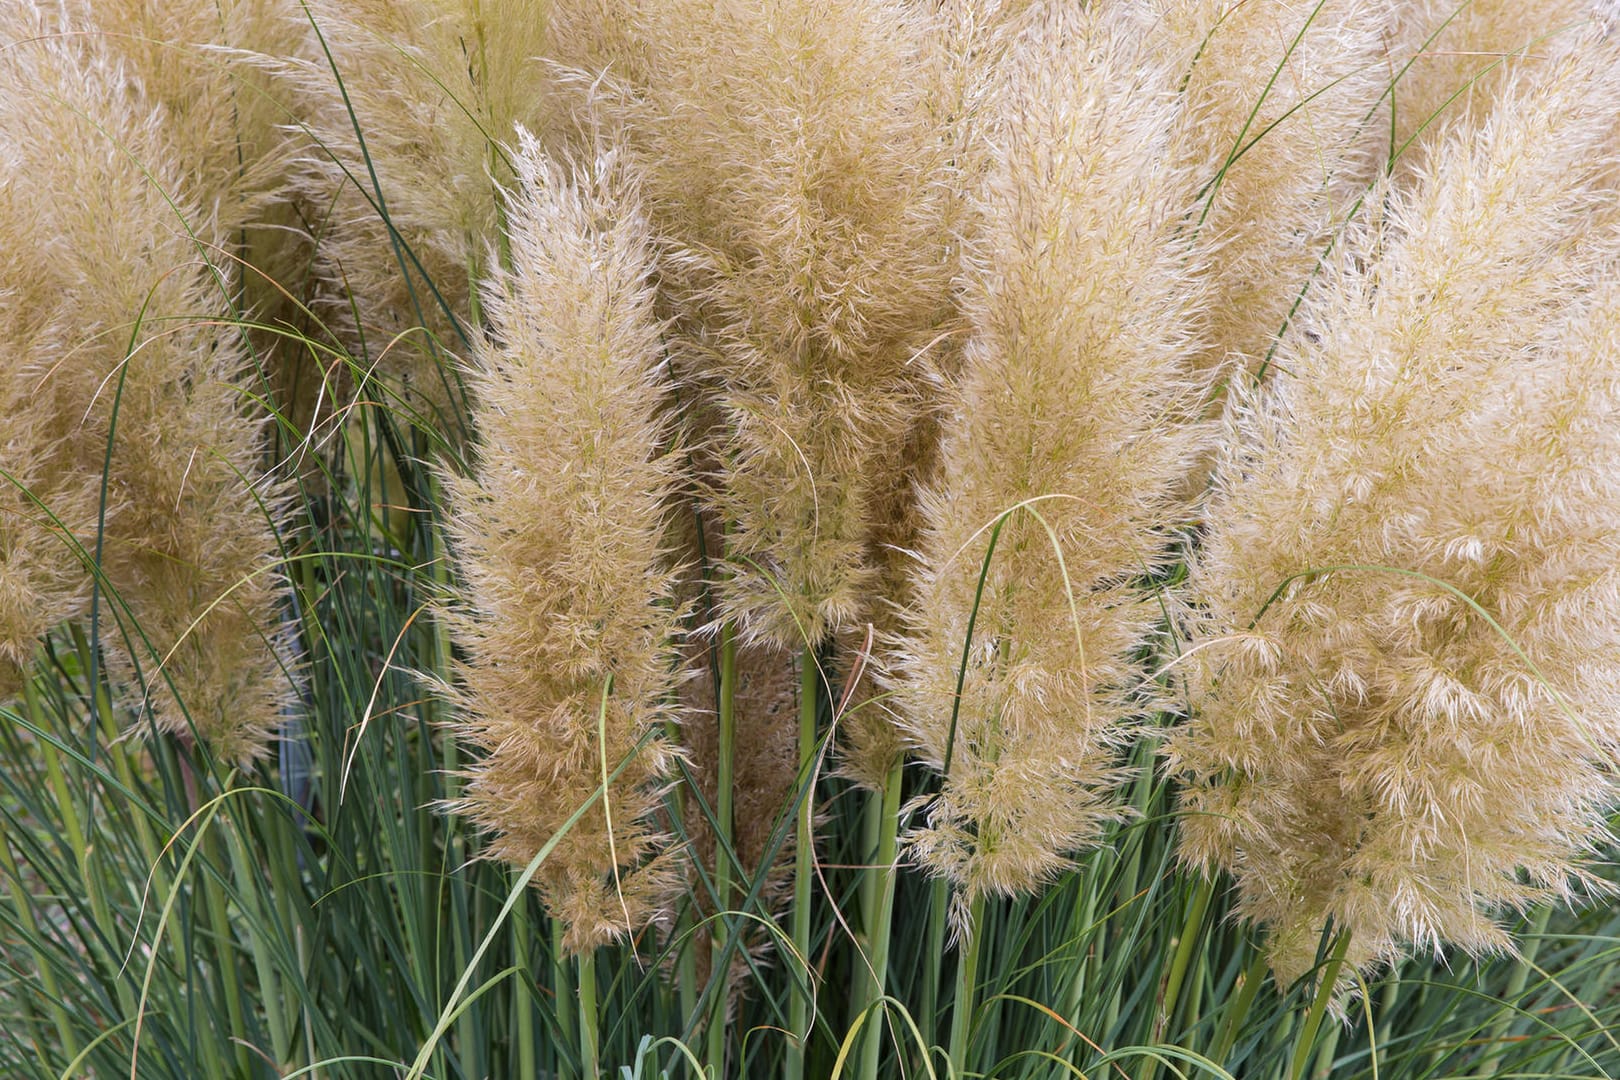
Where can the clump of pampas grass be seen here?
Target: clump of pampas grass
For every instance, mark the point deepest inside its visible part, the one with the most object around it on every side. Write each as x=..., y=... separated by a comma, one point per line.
x=559, y=534
x=1405, y=617
x=122, y=354
x=1081, y=301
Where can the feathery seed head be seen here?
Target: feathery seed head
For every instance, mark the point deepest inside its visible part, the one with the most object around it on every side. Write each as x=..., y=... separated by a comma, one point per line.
x=798, y=184
x=117, y=302
x=1404, y=617
x=211, y=67
x=560, y=536
x=1279, y=126
x=1453, y=57
x=409, y=115
x=1081, y=298
x=226, y=122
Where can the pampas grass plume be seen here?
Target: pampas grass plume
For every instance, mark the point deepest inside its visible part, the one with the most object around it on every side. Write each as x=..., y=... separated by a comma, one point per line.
x=1081, y=299
x=559, y=535
x=198, y=61
x=122, y=305
x=408, y=116
x=1367, y=746
x=793, y=162
x=1455, y=56
x=1280, y=127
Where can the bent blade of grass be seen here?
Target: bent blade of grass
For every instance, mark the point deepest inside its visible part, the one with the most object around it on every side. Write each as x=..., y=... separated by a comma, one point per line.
x=514, y=894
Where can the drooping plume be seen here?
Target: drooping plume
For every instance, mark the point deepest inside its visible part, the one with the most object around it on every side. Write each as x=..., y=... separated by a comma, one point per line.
x=559, y=537
x=1081, y=298
x=1424, y=490
x=119, y=351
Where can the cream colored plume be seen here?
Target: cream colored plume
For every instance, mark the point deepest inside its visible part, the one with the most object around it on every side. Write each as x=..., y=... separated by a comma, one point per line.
x=1453, y=56
x=1281, y=127
x=409, y=104
x=1405, y=617
x=567, y=615
x=795, y=167
x=1081, y=296
x=113, y=303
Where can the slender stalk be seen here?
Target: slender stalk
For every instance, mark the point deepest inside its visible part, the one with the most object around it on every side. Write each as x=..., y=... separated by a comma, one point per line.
x=53, y=769
x=686, y=994
x=1192, y=996
x=1326, y=1053
x=224, y=960
x=967, y=981
x=1186, y=944
x=880, y=925
x=1077, y=969
x=561, y=983
x=1191, y=933
x=1497, y=1037
x=1248, y=988
x=803, y=853
x=439, y=558
x=522, y=1004
x=70, y=821
x=870, y=880
x=282, y=866
x=92, y=880
x=939, y=895
x=725, y=769
x=589, y=1044
x=871, y=833
x=1387, y=1002
x=47, y=975
x=1313, y=1019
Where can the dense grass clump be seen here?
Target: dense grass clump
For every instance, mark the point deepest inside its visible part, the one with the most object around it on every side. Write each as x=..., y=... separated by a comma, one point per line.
x=574, y=538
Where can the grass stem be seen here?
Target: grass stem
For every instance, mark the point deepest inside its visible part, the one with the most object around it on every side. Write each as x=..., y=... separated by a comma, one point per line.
x=939, y=895
x=562, y=985
x=1254, y=974
x=803, y=859
x=967, y=982
x=724, y=809
x=590, y=1052
x=1305, y=1046
x=1497, y=1038
x=879, y=925
x=522, y=1000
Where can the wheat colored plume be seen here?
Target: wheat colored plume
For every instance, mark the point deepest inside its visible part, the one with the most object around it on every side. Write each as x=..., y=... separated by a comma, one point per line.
x=118, y=352
x=1081, y=298
x=568, y=618
x=1281, y=125
x=212, y=66
x=794, y=169
x=1405, y=615
x=199, y=60
x=408, y=104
